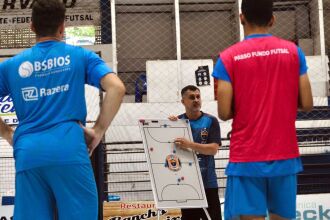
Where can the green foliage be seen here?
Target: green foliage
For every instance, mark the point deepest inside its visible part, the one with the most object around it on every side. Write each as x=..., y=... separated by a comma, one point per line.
x=82, y=31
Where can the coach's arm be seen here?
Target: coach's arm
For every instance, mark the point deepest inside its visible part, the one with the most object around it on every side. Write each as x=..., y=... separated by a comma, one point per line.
x=206, y=149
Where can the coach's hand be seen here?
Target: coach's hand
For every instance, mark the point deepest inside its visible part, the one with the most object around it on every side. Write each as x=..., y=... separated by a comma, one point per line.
x=173, y=118
x=92, y=138
x=183, y=143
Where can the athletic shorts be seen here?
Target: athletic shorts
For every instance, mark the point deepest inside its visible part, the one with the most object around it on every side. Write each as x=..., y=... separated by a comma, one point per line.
x=261, y=195
x=69, y=189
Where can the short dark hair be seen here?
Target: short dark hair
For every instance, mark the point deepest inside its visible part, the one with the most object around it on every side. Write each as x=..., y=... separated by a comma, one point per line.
x=189, y=87
x=47, y=16
x=258, y=12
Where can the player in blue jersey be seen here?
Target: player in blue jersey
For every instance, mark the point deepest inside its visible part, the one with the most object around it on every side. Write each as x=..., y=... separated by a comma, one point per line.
x=51, y=145
x=206, y=134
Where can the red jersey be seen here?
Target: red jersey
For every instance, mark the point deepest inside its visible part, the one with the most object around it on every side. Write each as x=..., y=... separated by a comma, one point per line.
x=264, y=73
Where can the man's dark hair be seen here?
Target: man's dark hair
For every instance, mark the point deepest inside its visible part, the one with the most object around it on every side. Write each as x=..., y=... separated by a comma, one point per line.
x=189, y=87
x=258, y=12
x=47, y=16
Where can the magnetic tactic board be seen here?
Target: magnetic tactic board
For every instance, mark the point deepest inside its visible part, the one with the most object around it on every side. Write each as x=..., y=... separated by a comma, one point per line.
x=175, y=175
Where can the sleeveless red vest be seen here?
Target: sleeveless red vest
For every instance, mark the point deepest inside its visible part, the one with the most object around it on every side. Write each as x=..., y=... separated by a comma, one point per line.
x=264, y=73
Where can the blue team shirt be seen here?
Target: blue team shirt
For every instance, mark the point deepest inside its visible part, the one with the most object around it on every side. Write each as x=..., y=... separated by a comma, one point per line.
x=269, y=168
x=206, y=130
x=47, y=85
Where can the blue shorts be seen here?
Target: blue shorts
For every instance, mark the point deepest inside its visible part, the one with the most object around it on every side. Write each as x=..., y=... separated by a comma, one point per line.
x=261, y=195
x=70, y=189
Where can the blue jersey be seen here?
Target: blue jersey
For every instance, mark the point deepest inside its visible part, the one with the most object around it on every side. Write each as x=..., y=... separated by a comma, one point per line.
x=270, y=168
x=47, y=85
x=206, y=130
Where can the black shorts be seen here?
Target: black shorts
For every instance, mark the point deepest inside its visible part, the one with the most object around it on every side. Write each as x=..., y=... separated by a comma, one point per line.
x=214, y=208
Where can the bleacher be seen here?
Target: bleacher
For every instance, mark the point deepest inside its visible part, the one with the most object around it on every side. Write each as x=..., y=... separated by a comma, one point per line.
x=314, y=143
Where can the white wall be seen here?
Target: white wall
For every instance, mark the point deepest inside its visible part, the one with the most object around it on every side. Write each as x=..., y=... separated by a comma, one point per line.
x=125, y=125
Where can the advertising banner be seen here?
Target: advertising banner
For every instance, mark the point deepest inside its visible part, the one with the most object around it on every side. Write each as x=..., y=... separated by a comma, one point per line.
x=313, y=207
x=138, y=210
x=7, y=111
x=6, y=212
x=17, y=14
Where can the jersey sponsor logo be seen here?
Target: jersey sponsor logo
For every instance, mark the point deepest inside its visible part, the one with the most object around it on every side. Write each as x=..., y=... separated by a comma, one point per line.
x=52, y=91
x=33, y=93
x=45, y=67
x=51, y=63
x=25, y=69
x=30, y=93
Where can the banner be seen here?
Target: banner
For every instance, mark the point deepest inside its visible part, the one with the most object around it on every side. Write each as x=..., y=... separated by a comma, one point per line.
x=137, y=210
x=6, y=212
x=17, y=13
x=7, y=111
x=313, y=207
x=309, y=207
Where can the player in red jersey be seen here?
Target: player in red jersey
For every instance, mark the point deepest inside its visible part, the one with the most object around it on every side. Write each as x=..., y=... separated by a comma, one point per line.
x=262, y=81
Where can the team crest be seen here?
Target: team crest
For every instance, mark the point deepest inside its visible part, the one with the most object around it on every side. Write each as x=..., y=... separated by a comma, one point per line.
x=173, y=162
x=204, y=135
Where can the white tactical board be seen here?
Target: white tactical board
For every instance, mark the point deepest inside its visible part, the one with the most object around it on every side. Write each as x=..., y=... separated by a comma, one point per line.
x=175, y=175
